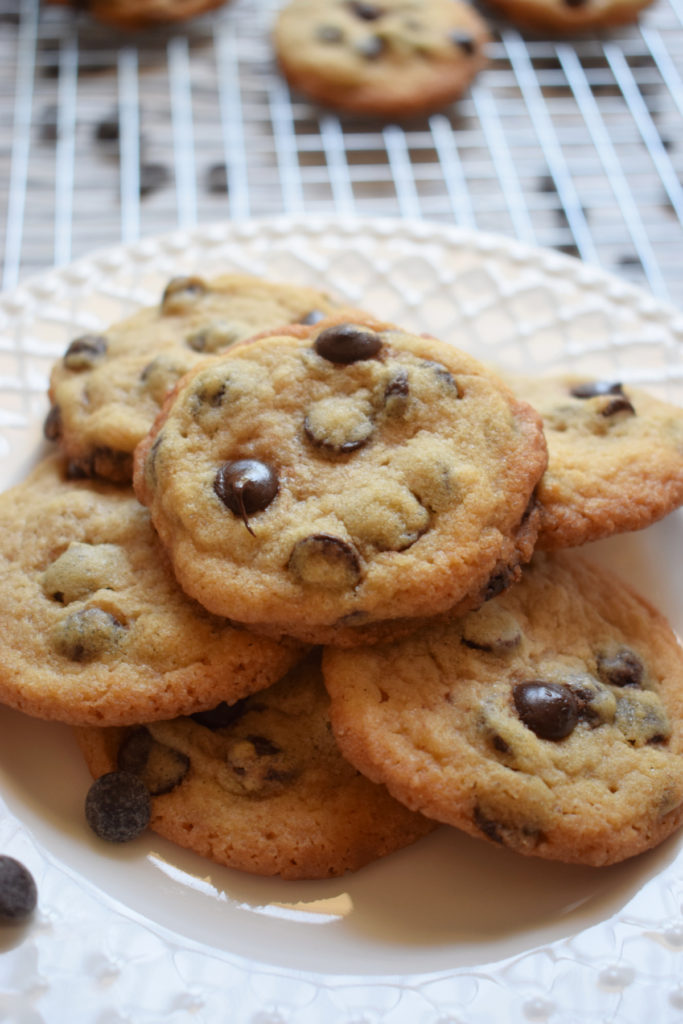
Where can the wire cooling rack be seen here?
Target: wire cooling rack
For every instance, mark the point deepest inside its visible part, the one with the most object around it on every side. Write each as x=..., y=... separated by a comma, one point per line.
x=574, y=144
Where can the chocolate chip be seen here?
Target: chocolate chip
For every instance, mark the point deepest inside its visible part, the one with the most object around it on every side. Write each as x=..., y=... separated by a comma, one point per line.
x=499, y=581
x=490, y=828
x=102, y=461
x=246, y=486
x=596, y=702
x=641, y=718
x=18, y=891
x=326, y=561
x=346, y=343
x=222, y=715
x=596, y=388
x=463, y=40
x=338, y=425
x=366, y=11
x=87, y=634
x=52, y=427
x=550, y=710
x=444, y=377
x=84, y=352
x=260, y=765
x=396, y=393
x=370, y=48
x=117, y=807
x=328, y=34
x=623, y=668
x=181, y=291
x=524, y=838
x=314, y=317
x=617, y=405
x=162, y=768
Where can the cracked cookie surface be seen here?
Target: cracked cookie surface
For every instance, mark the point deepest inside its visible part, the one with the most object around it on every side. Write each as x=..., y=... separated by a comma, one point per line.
x=260, y=785
x=392, y=57
x=549, y=721
x=615, y=457
x=95, y=628
x=109, y=386
x=327, y=487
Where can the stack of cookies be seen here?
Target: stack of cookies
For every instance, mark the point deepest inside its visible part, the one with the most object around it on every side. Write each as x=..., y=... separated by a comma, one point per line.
x=295, y=575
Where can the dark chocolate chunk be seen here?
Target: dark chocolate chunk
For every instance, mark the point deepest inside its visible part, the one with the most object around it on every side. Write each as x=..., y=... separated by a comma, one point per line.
x=366, y=11
x=246, y=486
x=87, y=634
x=18, y=891
x=617, y=405
x=117, y=807
x=328, y=34
x=326, y=561
x=595, y=388
x=550, y=710
x=162, y=768
x=222, y=715
x=179, y=290
x=346, y=343
x=464, y=41
x=371, y=47
x=52, y=427
x=490, y=828
x=103, y=461
x=84, y=352
x=623, y=668
x=499, y=581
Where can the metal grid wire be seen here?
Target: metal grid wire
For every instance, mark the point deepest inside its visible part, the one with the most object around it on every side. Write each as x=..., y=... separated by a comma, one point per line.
x=575, y=144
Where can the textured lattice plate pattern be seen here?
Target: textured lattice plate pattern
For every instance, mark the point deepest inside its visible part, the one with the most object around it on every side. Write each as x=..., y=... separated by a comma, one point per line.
x=451, y=930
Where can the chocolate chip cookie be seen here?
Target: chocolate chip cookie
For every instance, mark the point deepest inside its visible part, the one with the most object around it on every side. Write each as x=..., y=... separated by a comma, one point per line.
x=549, y=721
x=569, y=16
x=94, y=627
x=338, y=486
x=391, y=57
x=615, y=457
x=260, y=785
x=107, y=388
x=141, y=14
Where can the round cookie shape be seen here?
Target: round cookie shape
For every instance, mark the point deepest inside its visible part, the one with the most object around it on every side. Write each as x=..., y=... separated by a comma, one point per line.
x=108, y=387
x=398, y=480
x=261, y=786
x=393, y=58
x=567, y=17
x=549, y=721
x=133, y=15
x=95, y=628
x=615, y=457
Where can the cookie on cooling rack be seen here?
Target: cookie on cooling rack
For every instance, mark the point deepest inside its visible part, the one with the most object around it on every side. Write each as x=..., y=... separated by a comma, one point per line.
x=95, y=628
x=141, y=14
x=549, y=721
x=615, y=457
x=390, y=57
x=335, y=487
x=109, y=386
x=260, y=785
x=569, y=16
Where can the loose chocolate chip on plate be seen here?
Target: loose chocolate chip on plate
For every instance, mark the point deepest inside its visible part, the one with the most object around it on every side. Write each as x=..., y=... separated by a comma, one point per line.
x=325, y=561
x=623, y=668
x=550, y=710
x=84, y=352
x=246, y=486
x=18, y=891
x=346, y=343
x=117, y=807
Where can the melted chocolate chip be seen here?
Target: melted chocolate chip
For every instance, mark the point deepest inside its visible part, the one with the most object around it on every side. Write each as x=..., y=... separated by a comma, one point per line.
x=397, y=392
x=550, y=710
x=160, y=767
x=464, y=41
x=117, y=807
x=328, y=34
x=499, y=581
x=623, y=668
x=52, y=427
x=103, y=461
x=326, y=561
x=87, y=634
x=366, y=11
x=179, y=291
x=84, y=352
x=596, y=388
x=617, y=405
x=246, y=486
x=18, y=892
x=346, y=343
x=222, y=715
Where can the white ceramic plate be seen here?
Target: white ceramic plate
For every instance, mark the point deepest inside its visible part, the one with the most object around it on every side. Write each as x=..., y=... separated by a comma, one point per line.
x=449, y=930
